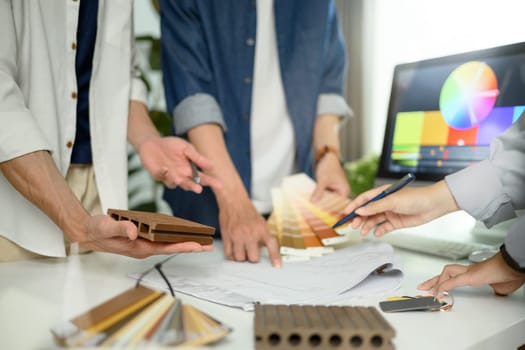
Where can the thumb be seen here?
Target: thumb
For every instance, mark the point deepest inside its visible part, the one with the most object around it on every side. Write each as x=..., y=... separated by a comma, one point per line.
x=200, y=160
x=376, y=207
x=363, y=198
x=317, y=194
x=125, y=229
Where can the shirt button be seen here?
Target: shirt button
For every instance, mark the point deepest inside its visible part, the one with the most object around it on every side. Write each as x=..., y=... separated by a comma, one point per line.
x=247, y=80
x=250, y=42
x=69, y=144
x=73, y=46
x=73, y=95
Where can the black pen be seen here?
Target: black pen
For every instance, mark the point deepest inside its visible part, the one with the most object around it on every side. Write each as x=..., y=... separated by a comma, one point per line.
x=405, y=180
x=195, y=173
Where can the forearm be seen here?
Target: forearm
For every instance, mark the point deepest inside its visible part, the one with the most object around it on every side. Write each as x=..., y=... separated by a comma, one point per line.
x=442, y=200
x=329, y=173
x=326, y=133
x=140, y=126
x=208, y=139
x=37, y=178
x=243, y=229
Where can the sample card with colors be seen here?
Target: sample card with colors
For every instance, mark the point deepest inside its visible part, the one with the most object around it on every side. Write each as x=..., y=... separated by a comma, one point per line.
x=304, y=228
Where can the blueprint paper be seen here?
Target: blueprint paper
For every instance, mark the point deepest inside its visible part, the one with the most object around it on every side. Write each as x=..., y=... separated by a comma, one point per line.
x=324, y=279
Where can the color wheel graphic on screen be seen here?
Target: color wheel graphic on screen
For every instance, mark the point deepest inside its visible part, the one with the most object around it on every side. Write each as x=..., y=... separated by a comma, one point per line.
x=468, y=95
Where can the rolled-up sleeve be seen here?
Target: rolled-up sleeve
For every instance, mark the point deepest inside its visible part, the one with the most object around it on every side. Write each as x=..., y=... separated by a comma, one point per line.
x=195, y=110
x=333, y=104
x=515, y=244
x=139, y=91
x=494, y=189
x=330, y=99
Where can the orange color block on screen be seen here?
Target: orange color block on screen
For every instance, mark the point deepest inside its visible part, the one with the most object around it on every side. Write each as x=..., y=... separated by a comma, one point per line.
x=462, y=137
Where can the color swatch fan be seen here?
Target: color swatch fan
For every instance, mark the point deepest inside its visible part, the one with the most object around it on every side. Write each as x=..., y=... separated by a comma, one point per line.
x=303, y=228
x=140, y=317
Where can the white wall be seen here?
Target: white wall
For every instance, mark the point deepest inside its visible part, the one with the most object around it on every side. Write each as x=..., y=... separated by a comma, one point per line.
x=397, y=31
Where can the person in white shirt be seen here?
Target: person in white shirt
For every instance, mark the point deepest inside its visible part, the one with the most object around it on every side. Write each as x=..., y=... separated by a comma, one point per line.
x=44, y=198
x=492, y=191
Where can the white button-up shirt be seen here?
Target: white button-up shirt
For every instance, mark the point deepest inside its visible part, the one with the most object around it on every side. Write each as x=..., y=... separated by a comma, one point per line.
x=494, y=190
x=38, y=103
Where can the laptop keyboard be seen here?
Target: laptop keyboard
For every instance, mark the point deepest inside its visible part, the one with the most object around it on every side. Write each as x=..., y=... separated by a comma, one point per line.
x=453, y=250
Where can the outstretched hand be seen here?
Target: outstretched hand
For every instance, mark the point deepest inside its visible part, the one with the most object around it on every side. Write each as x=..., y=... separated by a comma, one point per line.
x=105, y=234
x=330, y=176
x=494, y=272
x=244, y=232
x=168, y=160
x=405, y=208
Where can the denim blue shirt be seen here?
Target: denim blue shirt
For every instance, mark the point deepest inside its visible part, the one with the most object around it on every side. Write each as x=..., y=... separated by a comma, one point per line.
x=208, y=50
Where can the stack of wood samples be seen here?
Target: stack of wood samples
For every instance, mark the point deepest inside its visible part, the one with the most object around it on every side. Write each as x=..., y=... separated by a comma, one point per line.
x=138, y=317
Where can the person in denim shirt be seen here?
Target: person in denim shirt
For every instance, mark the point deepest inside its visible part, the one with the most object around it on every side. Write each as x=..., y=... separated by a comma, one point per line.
x=257, y=87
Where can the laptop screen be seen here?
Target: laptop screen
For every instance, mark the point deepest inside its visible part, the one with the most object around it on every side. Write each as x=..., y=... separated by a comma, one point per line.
x=444, y=112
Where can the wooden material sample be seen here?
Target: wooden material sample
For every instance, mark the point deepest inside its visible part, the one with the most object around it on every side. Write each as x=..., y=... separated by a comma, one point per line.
x=165, y=228
x=301, y=327
x=101, y=319
x=140, y=318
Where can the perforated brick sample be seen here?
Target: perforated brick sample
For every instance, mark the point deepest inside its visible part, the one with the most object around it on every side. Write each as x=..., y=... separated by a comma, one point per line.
x=165, y=228
x=299, y=327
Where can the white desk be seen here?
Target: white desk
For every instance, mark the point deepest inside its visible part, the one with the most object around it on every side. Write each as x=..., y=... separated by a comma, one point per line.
x=34, y=295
